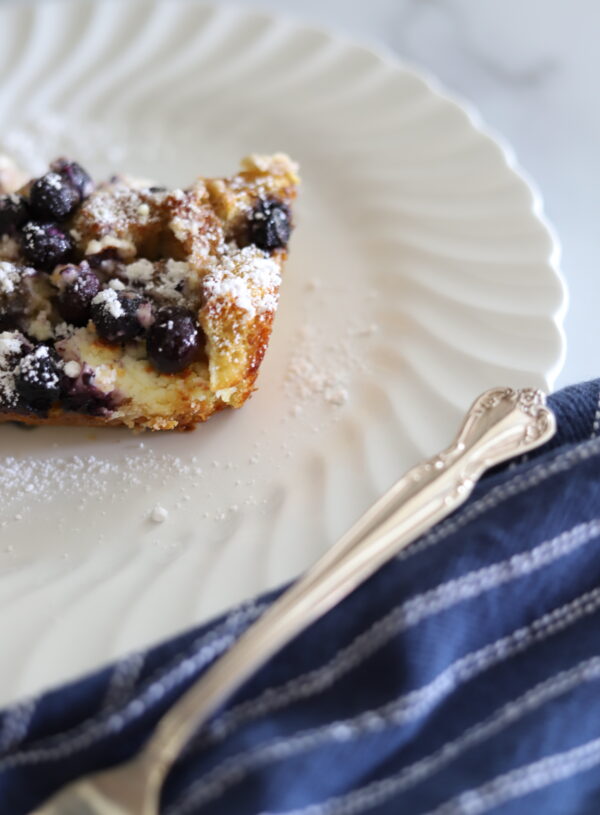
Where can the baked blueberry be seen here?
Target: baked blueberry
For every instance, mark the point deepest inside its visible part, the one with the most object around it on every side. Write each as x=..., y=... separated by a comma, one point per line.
x=76, y=175
x=38, y=379
x=115, y=315
x=79, y=287
x=270, y=225
x=97, y=260
x=14, y=211
x=174, y=340
x=53, y=198
x=11, y=315
x=80, y=395
x=45, y=245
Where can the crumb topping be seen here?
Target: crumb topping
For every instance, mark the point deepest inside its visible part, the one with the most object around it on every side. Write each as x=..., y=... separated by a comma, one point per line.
x=114, y=207
x=40, y=327
x=72, y=368
x=9, y=248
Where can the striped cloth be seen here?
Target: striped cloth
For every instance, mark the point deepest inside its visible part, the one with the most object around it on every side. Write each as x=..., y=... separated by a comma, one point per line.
x=463, y=678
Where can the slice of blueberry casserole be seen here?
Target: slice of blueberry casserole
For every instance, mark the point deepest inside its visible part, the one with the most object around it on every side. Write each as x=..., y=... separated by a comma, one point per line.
x=125, y=303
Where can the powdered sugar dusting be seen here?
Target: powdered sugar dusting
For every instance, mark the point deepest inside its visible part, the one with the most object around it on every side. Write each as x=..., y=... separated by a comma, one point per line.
x=319, y=371
x=30, y=368
x=108, y=299
x=10, y=346
x=176, y=274
x=9, y=277
x=95, y=477
x=116, y=206
x=54, y=180
x=247, y=277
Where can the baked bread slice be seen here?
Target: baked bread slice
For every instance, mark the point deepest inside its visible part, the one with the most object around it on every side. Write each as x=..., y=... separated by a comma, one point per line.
x=131, y=304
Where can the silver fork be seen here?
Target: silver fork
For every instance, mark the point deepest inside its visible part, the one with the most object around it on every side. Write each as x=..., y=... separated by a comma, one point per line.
x=500, y=424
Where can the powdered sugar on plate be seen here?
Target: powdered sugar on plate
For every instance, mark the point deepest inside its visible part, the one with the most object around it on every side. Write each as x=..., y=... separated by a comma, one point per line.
x=322, y=371
x=89, y=478
x=159, y=514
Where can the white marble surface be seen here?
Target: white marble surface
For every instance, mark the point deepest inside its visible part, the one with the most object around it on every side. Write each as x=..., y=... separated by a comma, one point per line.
x=532, y=69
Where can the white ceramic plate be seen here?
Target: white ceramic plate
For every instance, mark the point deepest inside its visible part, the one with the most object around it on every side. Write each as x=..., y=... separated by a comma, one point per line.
x=421, y=273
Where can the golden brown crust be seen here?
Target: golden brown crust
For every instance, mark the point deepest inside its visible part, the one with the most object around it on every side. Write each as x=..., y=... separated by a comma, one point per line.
x=61, y=418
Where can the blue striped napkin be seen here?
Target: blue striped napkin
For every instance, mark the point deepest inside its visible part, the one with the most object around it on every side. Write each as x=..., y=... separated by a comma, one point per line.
x=462, y=678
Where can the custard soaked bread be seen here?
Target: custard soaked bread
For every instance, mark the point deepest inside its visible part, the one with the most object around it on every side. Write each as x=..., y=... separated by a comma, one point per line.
x=131, y=304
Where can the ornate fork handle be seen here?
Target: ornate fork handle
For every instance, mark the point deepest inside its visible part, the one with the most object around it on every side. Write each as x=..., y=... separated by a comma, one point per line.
x=531, y=424
x=501, y=424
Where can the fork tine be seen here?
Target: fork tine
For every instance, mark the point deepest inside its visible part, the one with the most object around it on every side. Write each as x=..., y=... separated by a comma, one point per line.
x=81, y=799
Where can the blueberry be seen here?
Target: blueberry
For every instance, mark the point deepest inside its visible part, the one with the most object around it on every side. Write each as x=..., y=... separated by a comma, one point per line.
x=12, y=311
x=14, y=211
x=53, y=198
x=80, y=395
x=45, y=245
x=174, y=340
x=38, y=379
x=80, y=286
x=115, y=315
x=10, y=316
x=108, y=255
x=270, y=225
x=76, y=175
